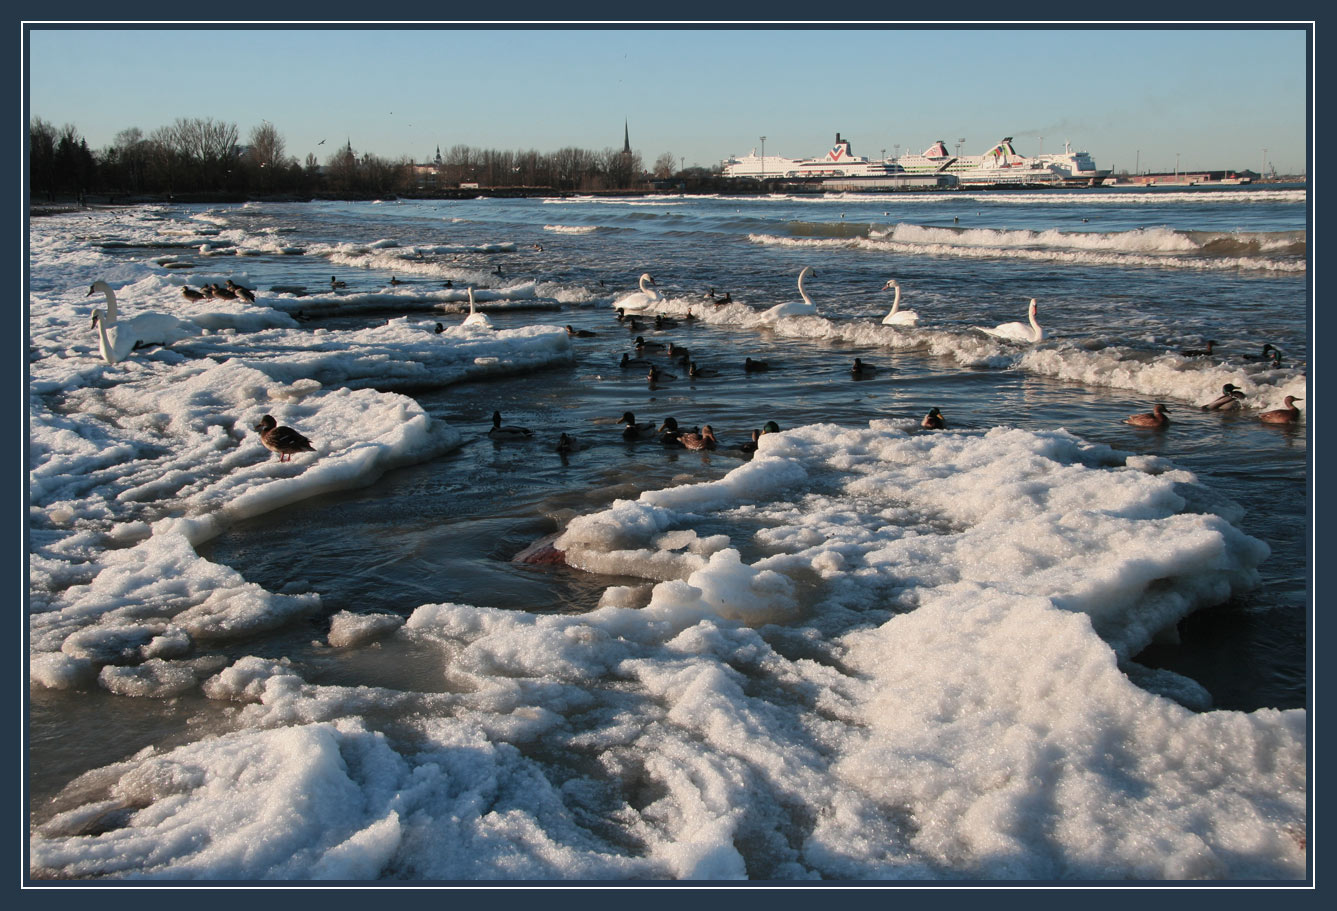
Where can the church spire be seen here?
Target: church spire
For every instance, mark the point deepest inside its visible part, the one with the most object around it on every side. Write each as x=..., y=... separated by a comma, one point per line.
x=626, y=138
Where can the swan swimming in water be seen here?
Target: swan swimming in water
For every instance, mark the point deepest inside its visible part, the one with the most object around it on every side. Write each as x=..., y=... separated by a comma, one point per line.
x=149, y=328
x=897, y=316
x=1019, y=332
x=794, y=308
x=644, y=299
x=475, y=319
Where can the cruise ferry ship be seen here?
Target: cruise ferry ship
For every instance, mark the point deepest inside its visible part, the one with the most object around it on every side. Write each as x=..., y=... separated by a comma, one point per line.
x=839, y=162
x=1004, y=165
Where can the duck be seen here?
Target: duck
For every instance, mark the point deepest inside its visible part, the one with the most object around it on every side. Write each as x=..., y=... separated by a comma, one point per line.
x=897, y=316
x=633, y=430
x=1288, y=415
x=621, y=314
x=668, y=432
x=726, y=299
x=242, y=292
x=663, y=322
x=658, y=376
x=676, y=351
x=567, y=443
x=208, y=291
x=770, y=427
x=933, y=420
x=191, y=294
x=150, y=328
x=696, y=370
x=1229, y=400
x=794, y=308
x=498, y=432
x=283, y=440
x=475, y=319
x=1198, y=352
x=751, y=445
x=629, y=361
x=1270, y=353
x=580, y=333
x=226, y=294
x=1156, y=418
x=751, y=366
x=497, y=272
x=439, y=329
x=335, y=283
x=697, y=441
x=642, y=343
x=861, y=370
x=394, y=280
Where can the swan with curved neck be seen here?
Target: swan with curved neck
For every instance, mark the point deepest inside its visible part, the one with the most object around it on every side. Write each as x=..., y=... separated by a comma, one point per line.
x=1030, y=331
x=113, y=347
x=794, y=308
x=897, y=316
x=145, y=329
x=476, y=319
x=643, y=299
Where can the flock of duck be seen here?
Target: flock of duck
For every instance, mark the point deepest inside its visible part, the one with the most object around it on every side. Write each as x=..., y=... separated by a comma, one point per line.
x=1029, y=331
x=117, y=338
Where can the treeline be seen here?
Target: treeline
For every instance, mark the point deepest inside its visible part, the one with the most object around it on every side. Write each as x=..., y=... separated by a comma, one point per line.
x=195, y=156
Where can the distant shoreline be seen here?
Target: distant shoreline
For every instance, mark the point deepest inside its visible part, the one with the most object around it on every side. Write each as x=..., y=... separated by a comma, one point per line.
x=92, y=201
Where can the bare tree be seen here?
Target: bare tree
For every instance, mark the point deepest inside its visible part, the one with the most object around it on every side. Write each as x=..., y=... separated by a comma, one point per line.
x=664, y=166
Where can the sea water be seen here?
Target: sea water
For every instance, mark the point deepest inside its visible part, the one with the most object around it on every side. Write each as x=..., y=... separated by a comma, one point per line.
x=1040, y=643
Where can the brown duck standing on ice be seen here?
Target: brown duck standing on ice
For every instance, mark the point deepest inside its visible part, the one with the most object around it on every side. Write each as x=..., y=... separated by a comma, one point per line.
x=1156, y=418
x=283, y=440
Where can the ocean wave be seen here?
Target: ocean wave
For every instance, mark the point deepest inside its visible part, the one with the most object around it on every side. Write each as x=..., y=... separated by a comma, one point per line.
x=571, y=229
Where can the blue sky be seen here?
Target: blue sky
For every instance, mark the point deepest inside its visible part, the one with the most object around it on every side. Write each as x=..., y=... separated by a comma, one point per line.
x=1208, y=98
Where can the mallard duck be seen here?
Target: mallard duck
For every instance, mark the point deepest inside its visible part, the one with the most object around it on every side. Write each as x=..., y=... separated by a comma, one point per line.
x=335, y=283
x=695, y=370
x=1288, y=415
x=635, y=431
x=933, y=420
x=752, y=366
x=668, y=432
x=283, y=440
x=770, y=427
x=244, y=293
x=439, y=329
x=703, y=440
x=1270, y=353
x=226, y=294
x=580, y=333
x=498, y=432
x=642, y=343
x=395, y=280
x=860, y=369
x=629, y=361
x=1156, y=418
x=1229, y=400
x=751, y=445
x=658, y=376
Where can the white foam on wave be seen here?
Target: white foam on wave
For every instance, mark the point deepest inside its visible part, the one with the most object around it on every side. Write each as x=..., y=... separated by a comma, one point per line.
x=571, y=229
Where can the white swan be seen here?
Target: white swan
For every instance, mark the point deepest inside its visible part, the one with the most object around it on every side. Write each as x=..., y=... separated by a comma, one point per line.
x=475, y=319
x=644, y=299
x=145, y=329
x=794, y=308
x=1019, y=332
x=897, y=316
x=114, y=346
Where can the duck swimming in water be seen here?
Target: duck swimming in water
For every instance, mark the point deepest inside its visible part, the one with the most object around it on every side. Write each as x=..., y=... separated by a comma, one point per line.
x=642, y=343
x=1288, y=415
x=1198, y=352
x=1270, y=353
x=580, y=333
x=1229, y=400
x=335, y=283
x=1156, y=418
x=283, y=440
x=635, y=431
x=933, y=420
x=567, y=444
x=697, y=441
x=751, y=366
x=695, y=370
x=861, y=370
x=629, y=361
x=751, y=445
x=498, y=432
x=658, y=376
x=668, y=432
